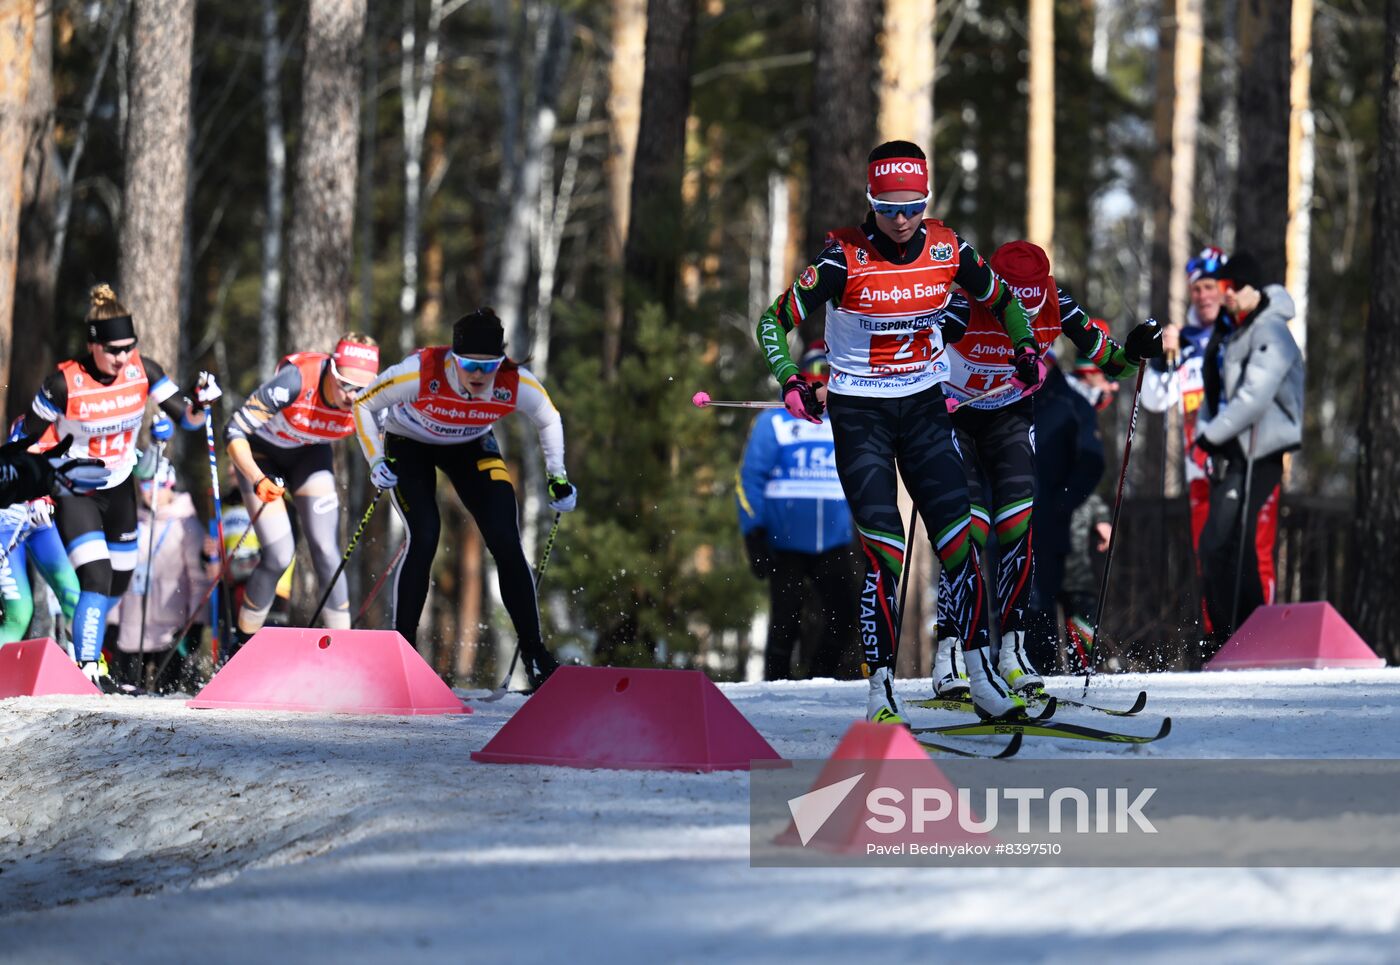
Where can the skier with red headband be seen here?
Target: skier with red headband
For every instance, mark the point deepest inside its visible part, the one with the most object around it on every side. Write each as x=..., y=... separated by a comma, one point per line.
x=994, y=432
x=280, y=441
x=887, y=281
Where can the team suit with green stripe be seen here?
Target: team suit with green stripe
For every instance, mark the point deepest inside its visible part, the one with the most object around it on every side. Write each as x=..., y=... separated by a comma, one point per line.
x=888, y=410
x=998, y=444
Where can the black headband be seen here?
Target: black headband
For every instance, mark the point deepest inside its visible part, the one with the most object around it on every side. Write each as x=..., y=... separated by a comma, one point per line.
x=111, y=329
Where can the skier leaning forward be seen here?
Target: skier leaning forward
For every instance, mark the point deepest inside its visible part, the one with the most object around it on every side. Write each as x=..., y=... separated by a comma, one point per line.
x=887, y=281
x=998, y=445
x=281, y=439
x=439, y=406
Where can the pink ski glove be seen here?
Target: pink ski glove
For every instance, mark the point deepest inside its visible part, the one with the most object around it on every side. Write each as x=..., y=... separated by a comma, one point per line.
x=800, y=399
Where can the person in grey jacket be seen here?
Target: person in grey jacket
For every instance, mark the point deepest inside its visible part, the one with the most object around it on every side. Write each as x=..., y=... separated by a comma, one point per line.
x=1254, y=402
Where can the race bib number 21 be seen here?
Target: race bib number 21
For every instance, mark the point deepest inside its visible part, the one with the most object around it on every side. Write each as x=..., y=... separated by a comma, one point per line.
x=901, y=352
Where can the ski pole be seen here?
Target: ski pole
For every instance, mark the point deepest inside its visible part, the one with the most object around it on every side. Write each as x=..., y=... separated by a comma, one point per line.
x=955, y=404
x=504, y=688
x=906, y=575
x=349, y=549
x=702, y=400
x=150, y=556
x=219, y=527
x=195, y=612
x=1113, y=532
x=379, y=584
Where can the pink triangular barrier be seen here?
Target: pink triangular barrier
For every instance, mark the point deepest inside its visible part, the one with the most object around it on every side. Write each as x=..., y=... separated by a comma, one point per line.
x=38, y=667
x=316, y=670
x=1295, y=636
x=631, y=719
x=880, y=755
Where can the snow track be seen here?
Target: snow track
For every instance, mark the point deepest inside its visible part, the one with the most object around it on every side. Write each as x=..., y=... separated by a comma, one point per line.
x=138, y=830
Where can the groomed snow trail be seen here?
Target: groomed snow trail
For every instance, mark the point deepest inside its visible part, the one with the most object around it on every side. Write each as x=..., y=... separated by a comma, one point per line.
x=138, y=830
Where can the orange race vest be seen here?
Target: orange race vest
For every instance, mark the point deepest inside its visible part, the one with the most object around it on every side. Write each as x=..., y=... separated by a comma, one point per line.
x=982, y=359
x=309, y=421
x=104, y=419
x=444, y=414
x=881, y=334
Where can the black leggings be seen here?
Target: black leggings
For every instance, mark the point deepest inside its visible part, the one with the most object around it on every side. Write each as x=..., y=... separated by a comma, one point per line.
x=483, y=483
x=999, y=455
x=915, y=433
x=107, y=516
x=833, y=577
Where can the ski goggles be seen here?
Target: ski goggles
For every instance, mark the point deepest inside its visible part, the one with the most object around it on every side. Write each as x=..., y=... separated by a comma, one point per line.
x=893, y=209
x=478, y=365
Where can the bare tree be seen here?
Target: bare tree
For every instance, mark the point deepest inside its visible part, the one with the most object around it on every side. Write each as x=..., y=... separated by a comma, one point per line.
x=1375, y=604
x=275, y=152
x=16, y=51
x=417, y=78
x=907, y=62
x=654, y=235
x=1301, y=164
x=625, y=71
x=323, y=201
x=1040, y=127
x=157, y=169
x=845, y=108
x=1261, y=206
x=550, y=60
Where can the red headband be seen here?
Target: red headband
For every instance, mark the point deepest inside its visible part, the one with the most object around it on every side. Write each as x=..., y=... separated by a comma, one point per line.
x=897, y=174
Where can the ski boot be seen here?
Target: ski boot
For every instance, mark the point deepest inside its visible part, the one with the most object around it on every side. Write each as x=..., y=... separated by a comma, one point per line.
x=950, y=670
x=884, y=706
x=96, y=671
x=1014, y=666
x=236, y=642
x=992, y=697
x=539, y=665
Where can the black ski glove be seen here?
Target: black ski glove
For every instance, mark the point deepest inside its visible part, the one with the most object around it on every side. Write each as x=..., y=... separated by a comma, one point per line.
x=1144, y=342
x=760, y=558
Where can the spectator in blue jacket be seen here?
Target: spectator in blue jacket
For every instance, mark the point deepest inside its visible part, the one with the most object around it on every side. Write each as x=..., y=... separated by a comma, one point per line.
x=797, y=528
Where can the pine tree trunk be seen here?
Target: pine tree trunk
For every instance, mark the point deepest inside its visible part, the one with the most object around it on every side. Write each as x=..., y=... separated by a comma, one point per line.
x=1375, y=604
x=844, y=111
x=655, y=236
x=907, y=61
x=1186, y=112
x=552, y=44
x=323, y=206
x=157, y=170
x=1301, y=161
x=275, y=152
x=625, y=73
x=16, y=52
x=1261, y=206
x=34, y=281
x=1040, y=128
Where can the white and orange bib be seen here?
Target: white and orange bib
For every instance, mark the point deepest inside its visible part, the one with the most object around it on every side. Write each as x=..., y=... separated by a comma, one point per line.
x=882, y=334
x=104, y=419
x=309, y=420
x=984, y=357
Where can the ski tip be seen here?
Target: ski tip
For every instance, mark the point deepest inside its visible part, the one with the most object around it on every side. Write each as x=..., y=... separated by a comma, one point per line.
x=1048, y=710
x=1012, y=747
x=1165, y=729
x=1138, y=704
